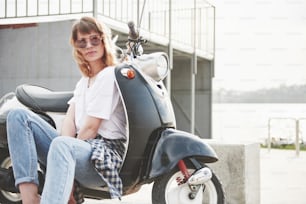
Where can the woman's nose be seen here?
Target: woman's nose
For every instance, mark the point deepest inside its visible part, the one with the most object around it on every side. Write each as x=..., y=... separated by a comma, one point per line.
x=88, y=43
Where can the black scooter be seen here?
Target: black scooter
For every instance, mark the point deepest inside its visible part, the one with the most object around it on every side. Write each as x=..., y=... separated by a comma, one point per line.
x=157, y=152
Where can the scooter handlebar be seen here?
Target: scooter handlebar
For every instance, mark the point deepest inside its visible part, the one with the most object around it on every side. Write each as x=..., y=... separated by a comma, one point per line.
x=133, y=34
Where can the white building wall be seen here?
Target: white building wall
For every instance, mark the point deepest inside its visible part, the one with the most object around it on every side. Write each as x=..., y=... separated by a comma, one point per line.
x=39, y=54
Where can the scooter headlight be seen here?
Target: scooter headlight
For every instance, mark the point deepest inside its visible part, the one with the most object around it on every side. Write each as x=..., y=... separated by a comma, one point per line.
x=156, y=65
x=162, y=66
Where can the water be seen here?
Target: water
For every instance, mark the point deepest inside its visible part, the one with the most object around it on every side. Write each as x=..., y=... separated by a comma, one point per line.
x=249, y=122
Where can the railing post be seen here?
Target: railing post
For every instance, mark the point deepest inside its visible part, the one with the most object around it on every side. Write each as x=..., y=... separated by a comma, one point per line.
x=170, y=50
x=138, y=14
x=95, y=8
x=194, y=68
x=269, y=135
x=297, y=137
x=297, y=134
x=193, y=87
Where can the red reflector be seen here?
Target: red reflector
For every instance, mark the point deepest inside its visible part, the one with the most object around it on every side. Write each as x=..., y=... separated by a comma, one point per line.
x=130, y=74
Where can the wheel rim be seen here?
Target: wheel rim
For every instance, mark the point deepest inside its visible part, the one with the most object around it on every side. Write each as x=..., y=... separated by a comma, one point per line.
x=178, y=194
x=14, y=197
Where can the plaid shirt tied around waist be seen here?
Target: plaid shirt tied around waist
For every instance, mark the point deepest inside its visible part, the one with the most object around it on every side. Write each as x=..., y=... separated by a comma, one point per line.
x=107, y=156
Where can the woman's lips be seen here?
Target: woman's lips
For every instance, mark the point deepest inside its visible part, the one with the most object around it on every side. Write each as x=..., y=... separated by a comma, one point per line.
x=90, y=53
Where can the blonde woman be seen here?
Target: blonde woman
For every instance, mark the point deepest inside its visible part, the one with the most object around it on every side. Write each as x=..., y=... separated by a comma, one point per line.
x=92, y=141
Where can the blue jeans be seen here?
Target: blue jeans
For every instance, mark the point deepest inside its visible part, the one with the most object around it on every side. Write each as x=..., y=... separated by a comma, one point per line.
x=32, y=140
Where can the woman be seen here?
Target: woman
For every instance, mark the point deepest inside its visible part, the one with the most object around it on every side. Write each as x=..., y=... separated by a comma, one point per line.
x=93, y=138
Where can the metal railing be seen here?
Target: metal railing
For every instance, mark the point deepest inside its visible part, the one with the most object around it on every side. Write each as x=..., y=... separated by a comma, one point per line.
x=37, y=8
x=190, y=23
x=297, y=132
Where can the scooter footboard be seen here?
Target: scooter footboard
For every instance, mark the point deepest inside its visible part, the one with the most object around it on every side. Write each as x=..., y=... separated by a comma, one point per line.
x=175, y=145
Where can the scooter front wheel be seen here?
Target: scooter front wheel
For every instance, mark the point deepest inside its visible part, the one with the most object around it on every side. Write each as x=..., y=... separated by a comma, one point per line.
x=172, y=189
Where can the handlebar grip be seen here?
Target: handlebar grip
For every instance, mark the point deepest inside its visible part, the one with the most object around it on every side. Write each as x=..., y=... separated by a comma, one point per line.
x=133, y=34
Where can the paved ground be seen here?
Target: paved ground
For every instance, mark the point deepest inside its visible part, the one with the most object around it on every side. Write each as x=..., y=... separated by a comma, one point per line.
x=283, y=177
x=283, y=180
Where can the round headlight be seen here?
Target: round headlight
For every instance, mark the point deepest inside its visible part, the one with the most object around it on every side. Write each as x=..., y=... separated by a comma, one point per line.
x=154, y=65
x=162, y=66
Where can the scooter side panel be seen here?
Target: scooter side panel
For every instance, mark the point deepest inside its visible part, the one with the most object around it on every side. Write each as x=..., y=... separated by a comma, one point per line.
x=143, y=119
x=175, y=145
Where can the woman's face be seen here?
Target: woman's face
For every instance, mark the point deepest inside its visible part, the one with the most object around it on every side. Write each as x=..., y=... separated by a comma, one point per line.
x=90, y=46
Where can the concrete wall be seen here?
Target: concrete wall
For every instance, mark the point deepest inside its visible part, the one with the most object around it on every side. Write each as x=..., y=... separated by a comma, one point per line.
x=39, y=54
x=238, y=169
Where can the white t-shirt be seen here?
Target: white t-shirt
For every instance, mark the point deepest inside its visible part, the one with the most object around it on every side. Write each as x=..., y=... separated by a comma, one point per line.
x=100, y=100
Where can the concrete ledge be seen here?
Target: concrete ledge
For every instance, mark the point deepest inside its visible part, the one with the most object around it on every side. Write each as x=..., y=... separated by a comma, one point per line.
x=238, y=169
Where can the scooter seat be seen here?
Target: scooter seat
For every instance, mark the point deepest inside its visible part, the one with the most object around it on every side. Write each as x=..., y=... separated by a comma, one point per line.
x=42, y=99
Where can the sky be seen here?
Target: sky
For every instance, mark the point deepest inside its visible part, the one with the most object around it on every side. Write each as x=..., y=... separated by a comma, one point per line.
x=260, y=44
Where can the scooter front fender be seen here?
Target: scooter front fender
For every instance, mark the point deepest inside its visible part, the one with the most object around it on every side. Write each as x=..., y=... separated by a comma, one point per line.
x=175, y=145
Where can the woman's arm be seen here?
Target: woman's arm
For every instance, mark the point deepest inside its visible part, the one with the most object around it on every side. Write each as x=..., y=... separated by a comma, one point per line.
x=68, y=127
x=90, y=128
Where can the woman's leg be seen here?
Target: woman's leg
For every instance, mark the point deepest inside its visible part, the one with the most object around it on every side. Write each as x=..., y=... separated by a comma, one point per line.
x=29, y=193
x=68, y=159
x=29, y=138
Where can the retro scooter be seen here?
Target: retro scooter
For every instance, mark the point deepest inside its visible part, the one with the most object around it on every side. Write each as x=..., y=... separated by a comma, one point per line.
x=173, y=160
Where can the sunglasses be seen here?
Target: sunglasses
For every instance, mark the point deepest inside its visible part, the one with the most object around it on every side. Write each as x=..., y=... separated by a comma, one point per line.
x=94, y=40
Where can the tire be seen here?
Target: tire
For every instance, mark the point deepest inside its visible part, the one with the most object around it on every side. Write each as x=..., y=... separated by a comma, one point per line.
x=213, y=192
x=6, y=196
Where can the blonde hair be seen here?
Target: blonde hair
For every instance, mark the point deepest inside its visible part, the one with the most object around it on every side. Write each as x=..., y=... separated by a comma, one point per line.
x=87, y=25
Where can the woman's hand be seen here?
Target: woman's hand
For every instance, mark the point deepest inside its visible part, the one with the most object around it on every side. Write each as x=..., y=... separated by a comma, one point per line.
x=90, y=128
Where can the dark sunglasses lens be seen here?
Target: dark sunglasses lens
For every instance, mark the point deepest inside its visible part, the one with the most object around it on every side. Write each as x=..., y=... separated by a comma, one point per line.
x=81, y=43
x=95, y=41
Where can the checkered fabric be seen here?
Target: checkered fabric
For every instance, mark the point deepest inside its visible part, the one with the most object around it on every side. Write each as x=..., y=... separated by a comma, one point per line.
x=107, y=157
x=77, y=193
